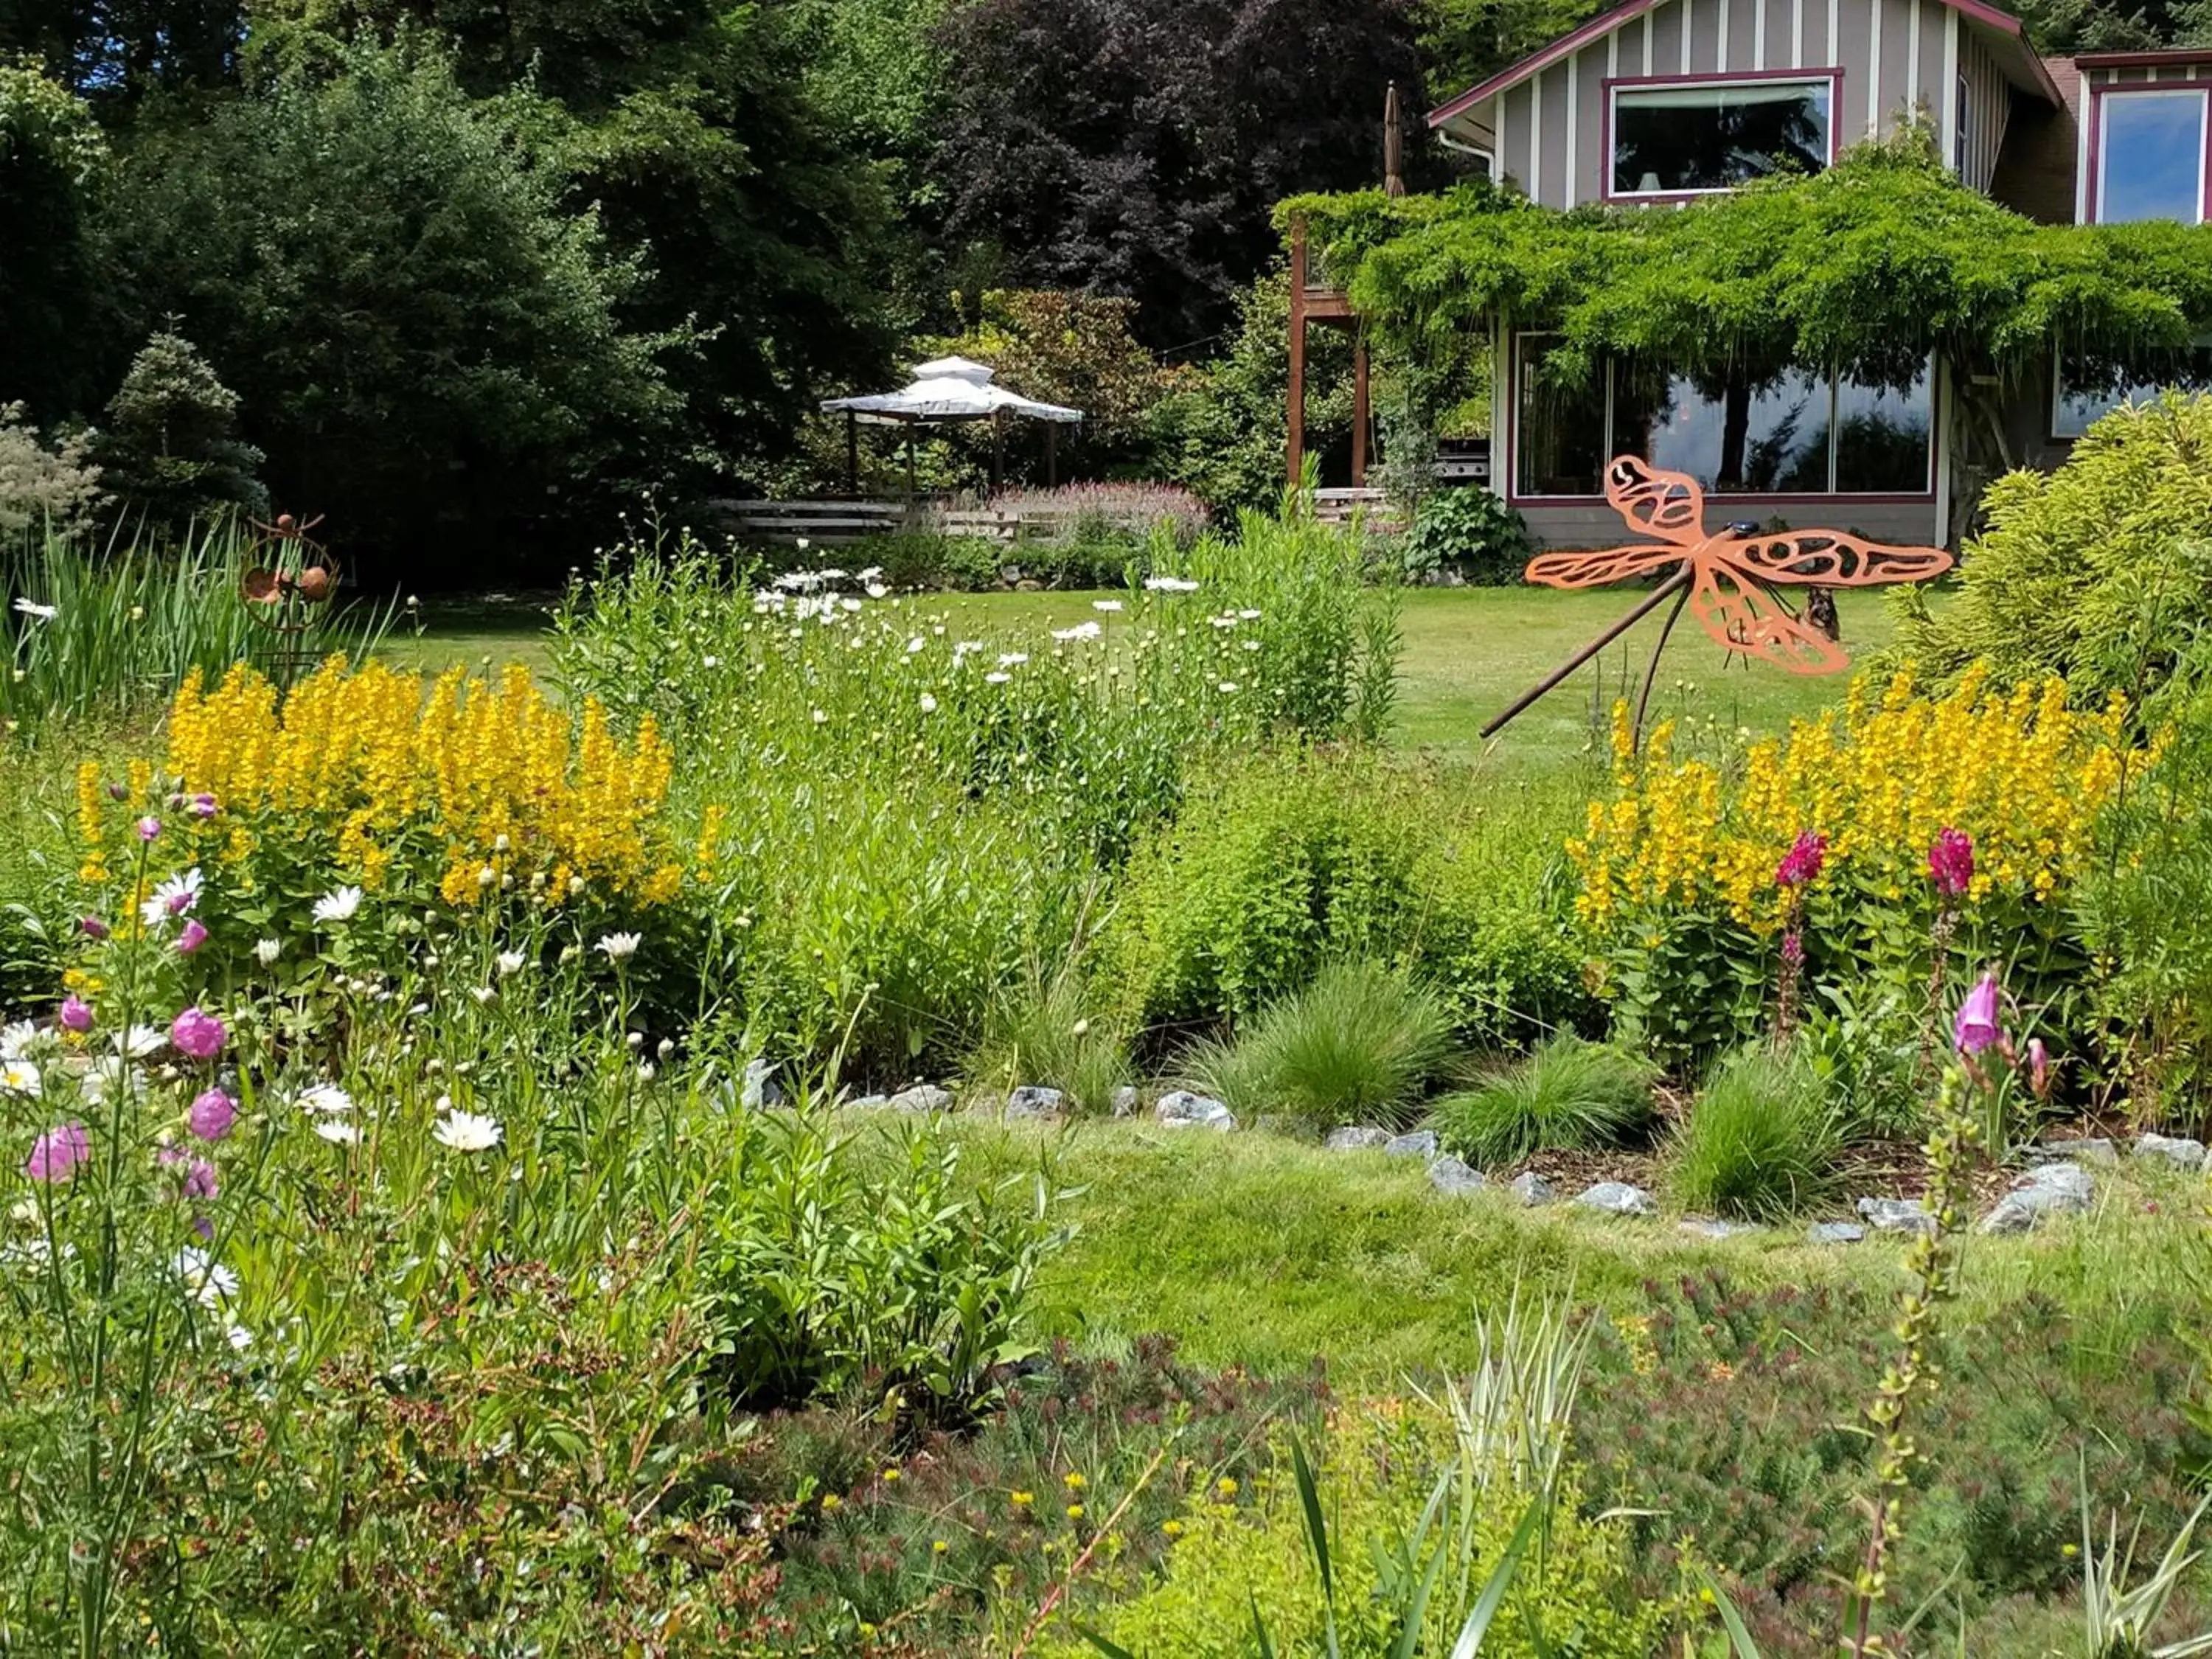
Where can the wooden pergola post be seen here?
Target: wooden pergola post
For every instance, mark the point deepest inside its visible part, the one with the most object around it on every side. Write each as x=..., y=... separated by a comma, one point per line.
x=1359, y=412
x=1297, y=409
x=1052, y=454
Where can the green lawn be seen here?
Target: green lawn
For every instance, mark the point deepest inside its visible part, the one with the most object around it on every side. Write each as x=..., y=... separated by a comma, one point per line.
x=1469, y=652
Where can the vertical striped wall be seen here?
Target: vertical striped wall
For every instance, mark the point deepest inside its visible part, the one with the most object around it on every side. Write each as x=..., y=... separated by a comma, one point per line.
x=1895, y=56
x=1989, y=102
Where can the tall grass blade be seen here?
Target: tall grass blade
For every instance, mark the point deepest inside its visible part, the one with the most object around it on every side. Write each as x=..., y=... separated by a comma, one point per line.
x=1471, y=1633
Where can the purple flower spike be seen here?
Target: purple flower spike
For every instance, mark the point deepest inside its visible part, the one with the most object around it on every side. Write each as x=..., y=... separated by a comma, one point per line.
x=1976, y=1028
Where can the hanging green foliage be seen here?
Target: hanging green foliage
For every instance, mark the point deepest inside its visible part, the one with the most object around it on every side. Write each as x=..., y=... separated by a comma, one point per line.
x=1868, y=267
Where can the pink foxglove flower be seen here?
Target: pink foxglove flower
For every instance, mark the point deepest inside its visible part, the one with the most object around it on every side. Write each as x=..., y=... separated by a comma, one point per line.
x=1801, y=866
x=212, y=1114
x=1951, y=863
x=197, y=1036
x=56, y=1152
x=1976, y=1027
x=76, y=1014
x=200, y=1181
x=2038, y=1069
x=193, y=936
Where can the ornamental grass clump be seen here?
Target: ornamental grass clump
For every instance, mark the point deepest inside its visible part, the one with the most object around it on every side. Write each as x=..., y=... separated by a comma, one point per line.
x=1356, y=1045
x=1760, y=1139
x=1569, y=1095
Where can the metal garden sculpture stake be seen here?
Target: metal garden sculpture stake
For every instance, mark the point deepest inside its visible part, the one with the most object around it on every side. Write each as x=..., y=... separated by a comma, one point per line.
x=288, y=589
x=1729, y=579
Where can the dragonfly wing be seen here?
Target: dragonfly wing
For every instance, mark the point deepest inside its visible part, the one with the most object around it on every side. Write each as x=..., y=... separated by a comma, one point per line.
x=1750, y=623
x=1669, y=505
x=1829, y=558
x=1597, y=570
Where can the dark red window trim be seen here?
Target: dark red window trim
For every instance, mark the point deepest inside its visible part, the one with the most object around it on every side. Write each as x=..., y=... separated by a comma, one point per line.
x=2101, y=90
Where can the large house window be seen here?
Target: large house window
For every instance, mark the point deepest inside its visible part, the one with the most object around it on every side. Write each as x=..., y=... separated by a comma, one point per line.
x=2079, y=400
x=1795, y=434
x=2150, y=155
x=1714, y=135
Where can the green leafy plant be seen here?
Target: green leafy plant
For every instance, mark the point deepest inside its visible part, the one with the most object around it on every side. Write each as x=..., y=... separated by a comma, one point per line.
x=1045, y=1030
x=1355, y=1045
x=1760, y=1140
x=1569, y=1095
x=1470, y=532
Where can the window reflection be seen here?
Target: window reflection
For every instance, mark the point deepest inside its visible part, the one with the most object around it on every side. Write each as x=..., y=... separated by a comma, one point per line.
x=2083, y=399
x=1560, y=435
x=1882, y=438
x=1713, y=137
x=2150, y=157
x=1796, y=433
x=1732, y=437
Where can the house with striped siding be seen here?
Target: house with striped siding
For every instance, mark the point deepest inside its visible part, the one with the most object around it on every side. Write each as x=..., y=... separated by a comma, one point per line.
x=1658, y=102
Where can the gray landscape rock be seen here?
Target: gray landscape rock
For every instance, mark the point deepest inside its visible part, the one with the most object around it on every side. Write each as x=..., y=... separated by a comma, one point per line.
x=1834, y=1232
x=867, y=1102
x=1125, y=1101
x=1698, y=1226
x=1895, y=1215
x=1356, y=1137
x=2053, y=1189
x=1449, y=1176
x=761, y=1089
x=2087, y=1150
x=1533, y=1189
x=1030, y=1101
x=922, y=1097
x=1182, y=1109
x=1618, y=1197
x=1421, y=1143
x=2174, y=1149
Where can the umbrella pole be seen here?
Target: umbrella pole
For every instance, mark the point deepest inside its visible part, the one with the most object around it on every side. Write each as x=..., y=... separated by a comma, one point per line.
x=1051, y=455
x=852, y=454
x=998, y=451
x=909, y=465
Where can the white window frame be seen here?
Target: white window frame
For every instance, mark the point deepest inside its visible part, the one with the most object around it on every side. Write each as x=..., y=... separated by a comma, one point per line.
x=2108, y=96
x=1961, y=145
x=1827, y=84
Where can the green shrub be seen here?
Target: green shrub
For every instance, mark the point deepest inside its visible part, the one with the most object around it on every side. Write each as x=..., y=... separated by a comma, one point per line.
x=1355, y=1045
x=912, y=559
x=1247, y=1555
x=1468, y=530
x=1760, y=1141
x=2058, y=583
x=1276, y=865
x=1568, y=1096
x=828, y=1270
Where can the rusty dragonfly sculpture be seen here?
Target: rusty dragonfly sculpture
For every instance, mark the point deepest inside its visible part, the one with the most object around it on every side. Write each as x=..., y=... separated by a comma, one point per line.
x=1729, y=579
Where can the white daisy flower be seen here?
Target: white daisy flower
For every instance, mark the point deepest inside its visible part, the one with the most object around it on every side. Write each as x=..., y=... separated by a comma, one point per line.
x=1229, y=686
x=1088, y=630
x=170, y=898
x=619, y=947
x=106, y=1078
x=140, y=1041
x=18, y=1038
x=338, y=1131
x=1171, y=585
x=995, y=678
x=928, y=703
x=238, y=1337
x=325, y=1098
x=1013, y=659
x=210, y=1283
x=511, y=963
x=466, y=1132
x=33, y=608
x=338, y=904
x=266, y=951
x=915, y=644
x=1247, y=615
x=20, y=1077
x=1105, y=605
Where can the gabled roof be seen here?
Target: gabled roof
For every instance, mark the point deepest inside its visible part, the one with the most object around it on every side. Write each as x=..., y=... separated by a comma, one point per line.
x=2004, y=31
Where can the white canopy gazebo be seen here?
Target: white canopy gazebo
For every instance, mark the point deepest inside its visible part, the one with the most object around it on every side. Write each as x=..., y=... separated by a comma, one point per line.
x=947, y=388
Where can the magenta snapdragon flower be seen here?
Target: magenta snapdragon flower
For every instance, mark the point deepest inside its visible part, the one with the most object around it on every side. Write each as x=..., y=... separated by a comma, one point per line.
x=203, y=805
x=76, y=1014
x=2038, y=1069
x=191, y=938
x=1801, y=866
x=1951, y=863
x=197, y=1036
x=1976, y=1027
x=56, y=1152
x=211, y=1114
